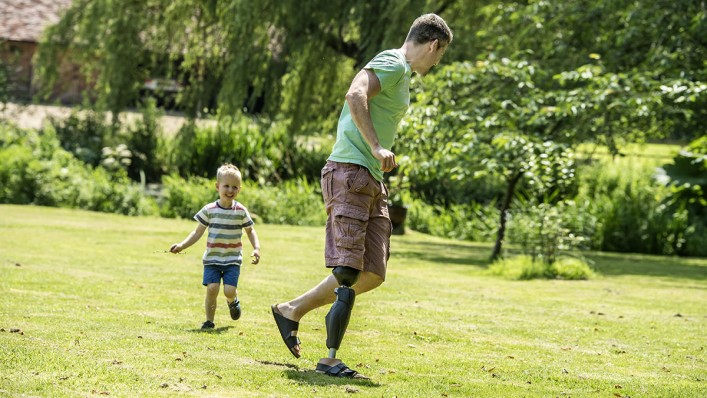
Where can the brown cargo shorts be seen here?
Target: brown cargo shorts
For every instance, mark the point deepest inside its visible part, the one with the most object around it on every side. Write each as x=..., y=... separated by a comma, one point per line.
x=358, y=226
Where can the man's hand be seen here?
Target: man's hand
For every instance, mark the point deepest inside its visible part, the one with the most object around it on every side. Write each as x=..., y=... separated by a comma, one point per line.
x=387, y=159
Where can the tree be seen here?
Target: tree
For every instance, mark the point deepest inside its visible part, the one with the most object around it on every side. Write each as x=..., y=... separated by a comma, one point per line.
x=294, y=57
x=478, y=122
x=659, y=41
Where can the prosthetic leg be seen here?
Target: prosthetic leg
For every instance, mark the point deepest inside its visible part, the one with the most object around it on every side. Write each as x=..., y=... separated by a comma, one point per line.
x=338, y=317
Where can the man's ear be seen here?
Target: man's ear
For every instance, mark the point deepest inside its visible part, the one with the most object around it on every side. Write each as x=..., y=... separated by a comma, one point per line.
x=434, y=45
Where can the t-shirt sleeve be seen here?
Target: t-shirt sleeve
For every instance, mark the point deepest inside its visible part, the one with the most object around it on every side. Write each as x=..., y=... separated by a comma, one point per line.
x=202, y=217
x=388, y=68
x=247, y=220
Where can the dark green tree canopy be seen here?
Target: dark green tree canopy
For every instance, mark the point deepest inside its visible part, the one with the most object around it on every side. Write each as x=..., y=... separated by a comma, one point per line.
x=296, y=56
x=295, y=59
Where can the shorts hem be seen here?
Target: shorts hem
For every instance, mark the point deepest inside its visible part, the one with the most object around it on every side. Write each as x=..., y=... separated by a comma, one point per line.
x=344, y=263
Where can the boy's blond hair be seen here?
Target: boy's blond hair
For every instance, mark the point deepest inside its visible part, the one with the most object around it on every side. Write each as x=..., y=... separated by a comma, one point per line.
x=228, y=169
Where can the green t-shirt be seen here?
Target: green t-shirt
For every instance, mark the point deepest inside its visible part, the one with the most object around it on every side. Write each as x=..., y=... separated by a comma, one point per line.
x=387, y=109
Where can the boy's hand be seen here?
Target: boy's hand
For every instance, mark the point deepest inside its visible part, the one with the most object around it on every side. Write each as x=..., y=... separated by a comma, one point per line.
x=256, y=257
x=176, y=248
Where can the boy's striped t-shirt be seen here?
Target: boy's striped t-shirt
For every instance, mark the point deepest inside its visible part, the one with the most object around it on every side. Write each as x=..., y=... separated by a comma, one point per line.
x=225, y=230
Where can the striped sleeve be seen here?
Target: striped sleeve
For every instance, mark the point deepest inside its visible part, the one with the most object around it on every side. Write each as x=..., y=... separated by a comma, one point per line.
x=202, y=217
x=247, y=220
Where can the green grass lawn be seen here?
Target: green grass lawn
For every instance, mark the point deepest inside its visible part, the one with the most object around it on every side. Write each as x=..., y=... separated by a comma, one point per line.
x=643, y=155
x=91, y=305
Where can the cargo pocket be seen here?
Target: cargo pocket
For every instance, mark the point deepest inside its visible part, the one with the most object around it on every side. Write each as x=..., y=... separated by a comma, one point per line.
x=350, y=228
x=327, y=182
x=360, y=184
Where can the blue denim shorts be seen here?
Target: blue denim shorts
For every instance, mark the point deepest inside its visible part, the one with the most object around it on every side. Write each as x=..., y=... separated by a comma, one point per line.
x=229, y=275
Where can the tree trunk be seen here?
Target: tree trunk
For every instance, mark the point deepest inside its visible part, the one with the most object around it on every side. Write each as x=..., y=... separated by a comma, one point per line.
x=504, y=210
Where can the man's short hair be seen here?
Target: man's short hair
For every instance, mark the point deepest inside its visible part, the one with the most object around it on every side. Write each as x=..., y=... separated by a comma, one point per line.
x=227, y=169
x=430, y=27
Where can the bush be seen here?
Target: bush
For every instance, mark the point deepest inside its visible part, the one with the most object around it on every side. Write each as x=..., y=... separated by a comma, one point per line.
x=625, y=200
x=183, y=198
x=545, y=230
x=293, y=202
x=571, y=268
x=34, y=169
x=474, y=222
x=17, y=163
x=135, y=148
x=142, y=140
x=264, y=151
x=520, y=268
x=524, y=267
x=84, y=134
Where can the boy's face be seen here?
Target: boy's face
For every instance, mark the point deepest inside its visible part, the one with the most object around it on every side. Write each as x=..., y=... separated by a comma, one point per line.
x=228, y=187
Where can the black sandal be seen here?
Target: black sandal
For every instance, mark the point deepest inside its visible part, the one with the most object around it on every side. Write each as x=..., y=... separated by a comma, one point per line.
x=339, y=370
x=288, y=330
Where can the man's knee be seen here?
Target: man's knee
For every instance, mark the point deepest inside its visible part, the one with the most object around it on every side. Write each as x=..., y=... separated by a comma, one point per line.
x=346, y=276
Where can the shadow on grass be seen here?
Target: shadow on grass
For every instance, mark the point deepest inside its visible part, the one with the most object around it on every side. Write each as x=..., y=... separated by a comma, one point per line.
x=615, y=264
x=609, y=264
x=473, y=254
x=317, y=379
x=310, y=376
x=222, y=329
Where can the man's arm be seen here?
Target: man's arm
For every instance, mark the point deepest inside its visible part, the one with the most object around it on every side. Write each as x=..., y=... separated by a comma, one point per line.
x=364, y=87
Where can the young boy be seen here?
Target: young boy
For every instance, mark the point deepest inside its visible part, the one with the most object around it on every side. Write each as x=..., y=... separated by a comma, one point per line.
x=225, y=220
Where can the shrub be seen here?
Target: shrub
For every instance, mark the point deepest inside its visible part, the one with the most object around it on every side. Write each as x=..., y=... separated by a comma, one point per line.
x=520, y=268
x=625, y=200
x=34, y=169
x=474, y=222
x=182, y=198
x=524, y=267
x=96, y=141
x=571, y=268
x=545, y=230
x=264, y=151
x=84, y=134
x=686, y=178
x=142, y=140
x=17, y=163
x=294, y=202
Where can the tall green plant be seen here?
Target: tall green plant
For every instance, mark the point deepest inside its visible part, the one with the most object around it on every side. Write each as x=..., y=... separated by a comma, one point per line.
x=85, y=133
x=264, y=151
x=686, y=178
x=143, y=140
x=544, y=231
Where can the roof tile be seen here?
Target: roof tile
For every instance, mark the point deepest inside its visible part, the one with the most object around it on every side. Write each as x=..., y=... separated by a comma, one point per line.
x=24, y=20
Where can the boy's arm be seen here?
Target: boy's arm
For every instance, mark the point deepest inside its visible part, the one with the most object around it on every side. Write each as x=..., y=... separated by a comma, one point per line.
x=192, y=238
x=253, y=238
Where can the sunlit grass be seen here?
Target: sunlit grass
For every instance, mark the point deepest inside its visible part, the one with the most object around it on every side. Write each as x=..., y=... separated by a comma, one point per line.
x=648, y=155
x=93, y=306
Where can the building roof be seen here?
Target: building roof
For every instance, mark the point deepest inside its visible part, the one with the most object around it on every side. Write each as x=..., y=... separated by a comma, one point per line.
x=24, y=20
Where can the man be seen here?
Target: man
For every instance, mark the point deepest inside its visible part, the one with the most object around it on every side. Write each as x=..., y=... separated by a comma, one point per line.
x=358, y=227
